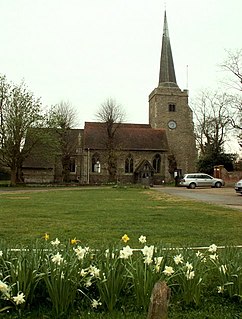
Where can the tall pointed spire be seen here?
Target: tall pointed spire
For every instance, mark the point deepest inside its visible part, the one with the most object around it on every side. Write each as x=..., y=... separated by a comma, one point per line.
x=167, y=71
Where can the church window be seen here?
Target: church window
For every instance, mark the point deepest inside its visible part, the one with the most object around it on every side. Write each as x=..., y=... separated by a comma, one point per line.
x=96, y=164
x=172, y=107
x=157, y=163
x=129, y=164
x=72, y=165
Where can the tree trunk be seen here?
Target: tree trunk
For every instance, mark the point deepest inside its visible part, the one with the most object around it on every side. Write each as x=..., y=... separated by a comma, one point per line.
x=13, y=180
x=158, y=308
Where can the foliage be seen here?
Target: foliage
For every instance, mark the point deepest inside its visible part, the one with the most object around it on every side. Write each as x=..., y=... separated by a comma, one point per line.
x=213, y=114
x=112, y=280
x=113, y=115
x=61, y=118
x=207, y=162
x=68, y=275
x=19, y=110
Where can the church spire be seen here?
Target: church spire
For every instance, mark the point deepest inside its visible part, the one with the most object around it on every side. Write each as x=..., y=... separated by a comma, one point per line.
x=167, y=71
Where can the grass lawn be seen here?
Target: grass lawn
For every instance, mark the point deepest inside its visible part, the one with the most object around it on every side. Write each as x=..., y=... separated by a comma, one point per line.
x=102, y=215
x=99, y=216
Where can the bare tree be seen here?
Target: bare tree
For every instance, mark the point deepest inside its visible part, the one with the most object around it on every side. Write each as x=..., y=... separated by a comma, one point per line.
x=212, y=113
x=233, y=64
x=62, y=115
x=62, y=118
x=113, y=115
x=19, y=111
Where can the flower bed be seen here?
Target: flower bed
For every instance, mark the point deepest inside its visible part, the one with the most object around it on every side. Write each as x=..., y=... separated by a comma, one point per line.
x=69, y=276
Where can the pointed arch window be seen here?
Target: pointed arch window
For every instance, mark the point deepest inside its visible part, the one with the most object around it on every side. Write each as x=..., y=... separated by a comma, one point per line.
x=157, y=163
x=96, y=166
x=129, y=164
x=72, y=165
x=172, y=107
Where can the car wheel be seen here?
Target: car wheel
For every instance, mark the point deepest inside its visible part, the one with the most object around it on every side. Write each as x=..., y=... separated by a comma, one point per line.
x=218, y=184
x=192, y=185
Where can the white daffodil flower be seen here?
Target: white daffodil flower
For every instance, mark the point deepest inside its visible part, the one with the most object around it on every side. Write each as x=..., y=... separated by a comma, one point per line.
x=168, y=270
x=19, y=299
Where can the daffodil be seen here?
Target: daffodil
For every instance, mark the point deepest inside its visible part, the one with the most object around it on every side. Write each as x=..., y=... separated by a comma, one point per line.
x=125, y=238
x=46, y=236
x=142, y=239
x=94, y=271
x=223, y=269
x=148, y=260
x=81, y=252
x=83, y=272
x=55, y=242
x=126, y=252
x=213, y=257
x=189, y=266
x=212, y=248
x=220, y=289
x=3, y=287
x=178, y=259
x=57, y=259
x=148, y=251
x=96, y=303
x=73, y=241
x=88, y=282
x=158, y=260
x=168, y=270
x=190, y=275
x=19, y=299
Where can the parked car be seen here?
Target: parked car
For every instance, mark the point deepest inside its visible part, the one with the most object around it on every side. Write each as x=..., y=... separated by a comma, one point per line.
x=238, y=187
x=194, y=180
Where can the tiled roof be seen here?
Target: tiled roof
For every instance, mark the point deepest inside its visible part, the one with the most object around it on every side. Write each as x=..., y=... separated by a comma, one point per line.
x=127, y=137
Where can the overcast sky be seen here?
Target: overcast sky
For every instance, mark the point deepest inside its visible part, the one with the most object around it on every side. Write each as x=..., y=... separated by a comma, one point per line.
x=86, y=51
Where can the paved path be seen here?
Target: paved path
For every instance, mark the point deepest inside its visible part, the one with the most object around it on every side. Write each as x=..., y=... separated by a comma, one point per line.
x=224, y=196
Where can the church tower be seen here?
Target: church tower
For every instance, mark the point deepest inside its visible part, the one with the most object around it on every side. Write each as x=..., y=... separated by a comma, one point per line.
x=169, y=109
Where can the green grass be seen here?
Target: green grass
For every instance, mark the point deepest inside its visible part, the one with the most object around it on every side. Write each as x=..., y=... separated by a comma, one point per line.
x=98, y=216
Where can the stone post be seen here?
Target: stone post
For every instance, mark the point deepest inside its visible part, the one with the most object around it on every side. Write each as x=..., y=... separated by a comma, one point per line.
x=158, y=308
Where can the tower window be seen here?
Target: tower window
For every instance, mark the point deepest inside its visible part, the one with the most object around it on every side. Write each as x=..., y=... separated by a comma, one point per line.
x=129, y=164
x=156, y=163
x=172, y=108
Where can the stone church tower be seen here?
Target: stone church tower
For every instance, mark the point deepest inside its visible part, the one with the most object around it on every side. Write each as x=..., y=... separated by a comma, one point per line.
x=169, y=109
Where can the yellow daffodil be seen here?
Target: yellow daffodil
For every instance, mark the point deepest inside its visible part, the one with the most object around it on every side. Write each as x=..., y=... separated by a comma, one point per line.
x=46, y=236
x=74, y=241
x=125, y=238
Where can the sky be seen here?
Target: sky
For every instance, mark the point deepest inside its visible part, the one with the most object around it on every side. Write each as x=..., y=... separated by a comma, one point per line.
x=86, y=51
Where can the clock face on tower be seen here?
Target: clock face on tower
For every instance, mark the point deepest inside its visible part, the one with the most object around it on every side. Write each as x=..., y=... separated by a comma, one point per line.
x=172, y=125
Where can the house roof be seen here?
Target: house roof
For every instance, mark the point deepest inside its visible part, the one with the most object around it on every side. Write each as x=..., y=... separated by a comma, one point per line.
x=127, y=137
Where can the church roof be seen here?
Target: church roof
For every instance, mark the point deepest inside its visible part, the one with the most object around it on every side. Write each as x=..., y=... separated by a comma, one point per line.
x=127, y=137
x=43, y=154
x=167, y=76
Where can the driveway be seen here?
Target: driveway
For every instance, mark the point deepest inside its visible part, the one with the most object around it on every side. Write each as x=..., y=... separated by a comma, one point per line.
x=224, y=196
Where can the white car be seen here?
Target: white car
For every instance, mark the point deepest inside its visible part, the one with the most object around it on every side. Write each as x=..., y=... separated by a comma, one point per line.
x=193, y=180
x=238, y=187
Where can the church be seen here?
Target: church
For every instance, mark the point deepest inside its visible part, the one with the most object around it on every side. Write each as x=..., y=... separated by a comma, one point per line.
x=151, y=153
